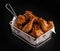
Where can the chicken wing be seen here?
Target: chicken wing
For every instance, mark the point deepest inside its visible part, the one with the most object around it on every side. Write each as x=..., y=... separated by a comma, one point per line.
x=28, y=26
x=36, y=32
x=50, y=25
x=21, y=19
x=30, y=15
x=18, y=25
x=43, y=24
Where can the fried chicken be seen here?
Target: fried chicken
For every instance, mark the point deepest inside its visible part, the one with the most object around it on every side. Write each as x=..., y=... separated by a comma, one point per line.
x=19, y=21
x=32, y=24
x=30, y=15
x=50, y=25
x=18, y=25
x=43, y=24
x=28, y=26
x=36, y=32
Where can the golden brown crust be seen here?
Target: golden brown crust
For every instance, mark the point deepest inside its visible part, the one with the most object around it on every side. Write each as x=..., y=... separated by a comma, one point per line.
x=44, y=25
x=50, y=25
x=20, y=19
x=35, y=26
x=28, y=26
x=30, y=15
x=37, y=31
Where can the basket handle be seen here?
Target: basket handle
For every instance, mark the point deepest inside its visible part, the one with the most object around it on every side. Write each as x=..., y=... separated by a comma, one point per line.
x=9, y=8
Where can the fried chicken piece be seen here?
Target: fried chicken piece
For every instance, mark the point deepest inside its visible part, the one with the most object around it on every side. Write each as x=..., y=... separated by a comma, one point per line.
x=17, y=25
x=43, y=24
x=46, y=26
x=27, y=14
x=50, y=25
x=36, y=32
x=30, y=15
x=36, y=26
x=21, y=19
x=28, y=26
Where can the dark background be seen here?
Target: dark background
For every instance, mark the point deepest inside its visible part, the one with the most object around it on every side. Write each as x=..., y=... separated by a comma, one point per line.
x=49, y=10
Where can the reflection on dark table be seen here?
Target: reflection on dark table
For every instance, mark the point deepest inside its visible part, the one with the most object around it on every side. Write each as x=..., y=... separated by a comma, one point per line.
x=11, y=42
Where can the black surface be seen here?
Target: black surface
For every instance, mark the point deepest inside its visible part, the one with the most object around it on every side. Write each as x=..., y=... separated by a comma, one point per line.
x=48, y=10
